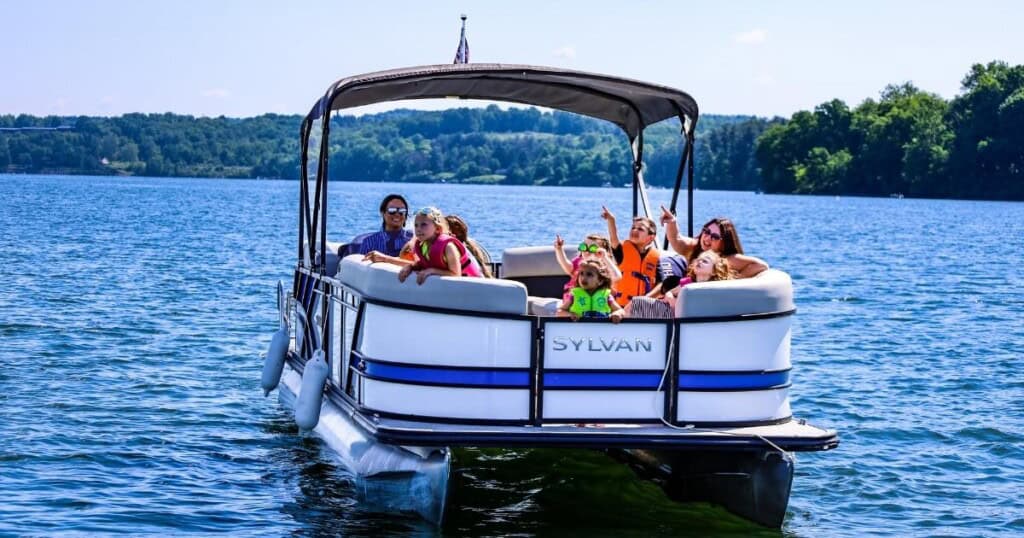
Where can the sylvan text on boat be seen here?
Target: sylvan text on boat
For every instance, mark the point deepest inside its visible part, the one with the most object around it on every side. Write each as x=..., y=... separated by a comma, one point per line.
x=565, y=343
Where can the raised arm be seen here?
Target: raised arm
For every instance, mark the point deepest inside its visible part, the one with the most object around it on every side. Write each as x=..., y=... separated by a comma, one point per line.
x=560, y=255
x=682, y=244
x=613, y=232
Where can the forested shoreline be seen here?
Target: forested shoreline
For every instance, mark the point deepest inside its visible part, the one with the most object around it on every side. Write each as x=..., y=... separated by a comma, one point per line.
x=908, y=141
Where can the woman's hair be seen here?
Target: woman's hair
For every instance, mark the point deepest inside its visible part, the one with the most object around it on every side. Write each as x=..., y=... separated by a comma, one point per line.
x=599, y=267
x=460, y=230
x=387, y=199
x=730, y=238
x=720, y=267
x=600, y=241
x=457, y=227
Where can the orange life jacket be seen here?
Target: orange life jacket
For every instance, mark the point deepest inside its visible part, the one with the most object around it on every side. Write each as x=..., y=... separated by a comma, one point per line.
x=638, y=273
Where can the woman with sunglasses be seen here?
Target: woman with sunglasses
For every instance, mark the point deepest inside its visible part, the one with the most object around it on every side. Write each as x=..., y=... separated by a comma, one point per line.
x=718, y=234
x=386, y=244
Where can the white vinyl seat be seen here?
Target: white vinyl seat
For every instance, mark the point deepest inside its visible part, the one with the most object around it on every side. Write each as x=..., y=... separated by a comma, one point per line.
x=380, y=281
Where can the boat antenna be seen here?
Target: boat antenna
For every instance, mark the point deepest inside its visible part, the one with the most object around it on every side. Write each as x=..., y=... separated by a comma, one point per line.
x=462, y=53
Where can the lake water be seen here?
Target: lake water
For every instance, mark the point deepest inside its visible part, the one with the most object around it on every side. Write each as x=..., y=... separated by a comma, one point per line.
x=134, y=313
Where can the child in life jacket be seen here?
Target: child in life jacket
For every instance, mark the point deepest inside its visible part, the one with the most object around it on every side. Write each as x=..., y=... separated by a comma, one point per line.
x=593, y=247
x=436, y=252
x=592, y=296
x=636, y=257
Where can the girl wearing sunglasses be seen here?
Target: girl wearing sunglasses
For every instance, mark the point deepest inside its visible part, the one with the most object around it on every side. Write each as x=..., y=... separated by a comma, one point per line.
x=718, y=235
x=593, y=246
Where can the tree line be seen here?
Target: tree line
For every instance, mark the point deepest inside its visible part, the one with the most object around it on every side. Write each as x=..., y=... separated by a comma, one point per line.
x=908, y=141
x=520, y=146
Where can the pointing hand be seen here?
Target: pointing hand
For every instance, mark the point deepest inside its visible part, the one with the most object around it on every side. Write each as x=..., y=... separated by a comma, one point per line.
x=666, y=216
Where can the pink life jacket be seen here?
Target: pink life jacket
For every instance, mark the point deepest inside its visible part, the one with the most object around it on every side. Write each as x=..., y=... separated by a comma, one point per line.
x=435, y=256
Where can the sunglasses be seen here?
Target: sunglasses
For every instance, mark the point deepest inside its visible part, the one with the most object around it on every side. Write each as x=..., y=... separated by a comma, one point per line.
x=400, y=210
x=712, y=235
x=589, y=248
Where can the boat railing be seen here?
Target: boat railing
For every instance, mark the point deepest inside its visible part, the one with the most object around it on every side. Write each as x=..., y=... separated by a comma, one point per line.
x=439, y=363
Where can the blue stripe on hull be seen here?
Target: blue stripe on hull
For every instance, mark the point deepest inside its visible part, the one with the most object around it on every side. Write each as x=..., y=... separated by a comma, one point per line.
x=602, y=380
x=737, y=381
x=597, y=380
x=446, y=376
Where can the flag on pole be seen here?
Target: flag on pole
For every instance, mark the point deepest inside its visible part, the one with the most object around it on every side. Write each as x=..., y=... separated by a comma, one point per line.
x=462, y=53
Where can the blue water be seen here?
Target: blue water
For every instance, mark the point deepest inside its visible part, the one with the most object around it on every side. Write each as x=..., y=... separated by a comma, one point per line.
x=134, y=312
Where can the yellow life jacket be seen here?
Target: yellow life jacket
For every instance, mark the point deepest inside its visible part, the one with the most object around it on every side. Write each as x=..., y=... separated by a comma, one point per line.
x=584, y=303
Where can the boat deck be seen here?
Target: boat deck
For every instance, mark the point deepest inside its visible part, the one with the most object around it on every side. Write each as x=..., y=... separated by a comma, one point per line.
x=795, y=435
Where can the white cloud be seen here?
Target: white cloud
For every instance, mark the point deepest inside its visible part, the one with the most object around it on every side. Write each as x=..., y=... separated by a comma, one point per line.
x=217, y=93
x=752, y=37
x=764, y=79
x=60, y=104
x=567, y=52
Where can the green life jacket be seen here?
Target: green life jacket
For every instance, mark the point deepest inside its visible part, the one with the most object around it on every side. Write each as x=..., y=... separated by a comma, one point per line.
x=583, y=302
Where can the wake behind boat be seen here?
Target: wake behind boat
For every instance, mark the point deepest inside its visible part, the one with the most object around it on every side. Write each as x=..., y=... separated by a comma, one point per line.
x=700, y=401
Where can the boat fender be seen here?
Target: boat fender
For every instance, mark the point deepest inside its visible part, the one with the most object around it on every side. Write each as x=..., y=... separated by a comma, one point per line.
x=274, y=363
x=311, y=393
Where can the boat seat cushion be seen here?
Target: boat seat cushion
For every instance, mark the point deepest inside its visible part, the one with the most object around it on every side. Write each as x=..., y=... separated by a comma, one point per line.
x=770, y=291
x=380, y=281
x=521, y=262
x=543, y=306
x=536, y=268
x=332, y=258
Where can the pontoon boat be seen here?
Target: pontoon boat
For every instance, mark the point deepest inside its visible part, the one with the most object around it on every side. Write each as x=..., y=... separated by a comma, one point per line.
x=701, y=401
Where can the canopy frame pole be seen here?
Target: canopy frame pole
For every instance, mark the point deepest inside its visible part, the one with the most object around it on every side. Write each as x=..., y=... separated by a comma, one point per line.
x=689, y=184
x=683, y=159
x=324, y=150
x=640, y=200
x=319, y=222
x=304, y=222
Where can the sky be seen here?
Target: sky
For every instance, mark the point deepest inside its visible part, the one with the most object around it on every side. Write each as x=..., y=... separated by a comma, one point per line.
x=241, y=58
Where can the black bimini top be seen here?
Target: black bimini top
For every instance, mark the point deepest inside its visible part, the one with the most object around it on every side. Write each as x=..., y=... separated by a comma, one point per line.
x=630, y=104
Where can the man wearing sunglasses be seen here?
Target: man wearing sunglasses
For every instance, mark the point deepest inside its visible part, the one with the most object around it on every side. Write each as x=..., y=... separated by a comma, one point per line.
x=392, y=236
